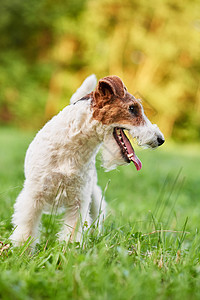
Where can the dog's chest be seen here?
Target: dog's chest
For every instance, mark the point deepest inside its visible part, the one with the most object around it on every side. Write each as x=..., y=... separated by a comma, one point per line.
x=60, y=189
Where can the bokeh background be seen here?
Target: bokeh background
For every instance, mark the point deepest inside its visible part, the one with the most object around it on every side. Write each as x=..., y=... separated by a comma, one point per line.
x=48, y=47
x=149, y=246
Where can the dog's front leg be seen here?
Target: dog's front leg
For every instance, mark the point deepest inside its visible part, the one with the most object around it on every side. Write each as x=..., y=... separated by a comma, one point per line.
x=98, y=206
x=75, y=220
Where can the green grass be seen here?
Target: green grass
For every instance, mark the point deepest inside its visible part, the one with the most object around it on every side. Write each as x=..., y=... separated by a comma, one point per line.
x=149, y=245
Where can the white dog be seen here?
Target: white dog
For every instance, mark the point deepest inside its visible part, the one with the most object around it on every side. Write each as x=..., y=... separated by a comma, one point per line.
x=60, y=161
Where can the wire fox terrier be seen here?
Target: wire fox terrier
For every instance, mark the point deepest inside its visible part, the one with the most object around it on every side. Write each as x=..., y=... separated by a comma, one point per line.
x=60, y=161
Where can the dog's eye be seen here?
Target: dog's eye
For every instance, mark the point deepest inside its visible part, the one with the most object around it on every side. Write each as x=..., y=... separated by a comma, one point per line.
x=134, y=109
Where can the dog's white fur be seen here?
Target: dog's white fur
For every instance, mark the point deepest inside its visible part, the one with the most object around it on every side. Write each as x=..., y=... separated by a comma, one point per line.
x=60, y=168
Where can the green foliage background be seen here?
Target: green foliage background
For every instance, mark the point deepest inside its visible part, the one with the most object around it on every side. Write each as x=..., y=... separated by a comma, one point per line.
x=48, y=47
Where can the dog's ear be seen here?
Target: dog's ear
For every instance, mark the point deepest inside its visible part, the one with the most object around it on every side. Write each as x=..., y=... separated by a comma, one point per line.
x=108, y=87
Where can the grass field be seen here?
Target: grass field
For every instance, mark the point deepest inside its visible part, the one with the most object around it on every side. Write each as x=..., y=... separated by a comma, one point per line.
x=149, y=247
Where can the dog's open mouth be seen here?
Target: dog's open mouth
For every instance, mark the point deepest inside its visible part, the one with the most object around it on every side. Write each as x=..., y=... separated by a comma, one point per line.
x=127, y=150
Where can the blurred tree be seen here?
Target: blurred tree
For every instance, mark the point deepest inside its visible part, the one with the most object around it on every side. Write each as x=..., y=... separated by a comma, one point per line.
x=28, y=32
x=47, y=48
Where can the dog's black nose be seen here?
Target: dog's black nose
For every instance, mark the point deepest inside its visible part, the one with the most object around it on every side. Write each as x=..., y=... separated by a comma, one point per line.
x=160, y=141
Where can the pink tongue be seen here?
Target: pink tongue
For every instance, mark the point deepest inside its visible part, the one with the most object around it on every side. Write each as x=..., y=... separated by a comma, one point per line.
x=130, y=150
x=136, y=161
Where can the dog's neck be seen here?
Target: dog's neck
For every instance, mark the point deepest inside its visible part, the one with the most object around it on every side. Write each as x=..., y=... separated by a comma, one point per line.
x=84, y=135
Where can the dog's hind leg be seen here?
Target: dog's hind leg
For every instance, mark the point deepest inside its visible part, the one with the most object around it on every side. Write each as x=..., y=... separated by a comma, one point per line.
x=26, y=217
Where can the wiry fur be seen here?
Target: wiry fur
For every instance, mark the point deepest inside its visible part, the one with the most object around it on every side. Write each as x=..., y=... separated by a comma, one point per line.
x=60, y=161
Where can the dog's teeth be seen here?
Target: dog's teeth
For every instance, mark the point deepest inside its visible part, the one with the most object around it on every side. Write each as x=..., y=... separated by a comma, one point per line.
x=130, y=155
x=122, y=143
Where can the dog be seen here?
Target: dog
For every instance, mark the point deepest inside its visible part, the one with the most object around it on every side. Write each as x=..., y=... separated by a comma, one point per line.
x=60, y=161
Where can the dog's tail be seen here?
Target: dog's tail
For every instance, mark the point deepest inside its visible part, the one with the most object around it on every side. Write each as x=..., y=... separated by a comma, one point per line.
x=87, y=87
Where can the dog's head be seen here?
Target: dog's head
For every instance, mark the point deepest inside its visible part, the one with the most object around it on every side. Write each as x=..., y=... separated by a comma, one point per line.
x=123, y=120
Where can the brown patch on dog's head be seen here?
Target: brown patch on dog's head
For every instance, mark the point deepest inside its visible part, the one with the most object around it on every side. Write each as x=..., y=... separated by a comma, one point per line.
x=112, y=104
